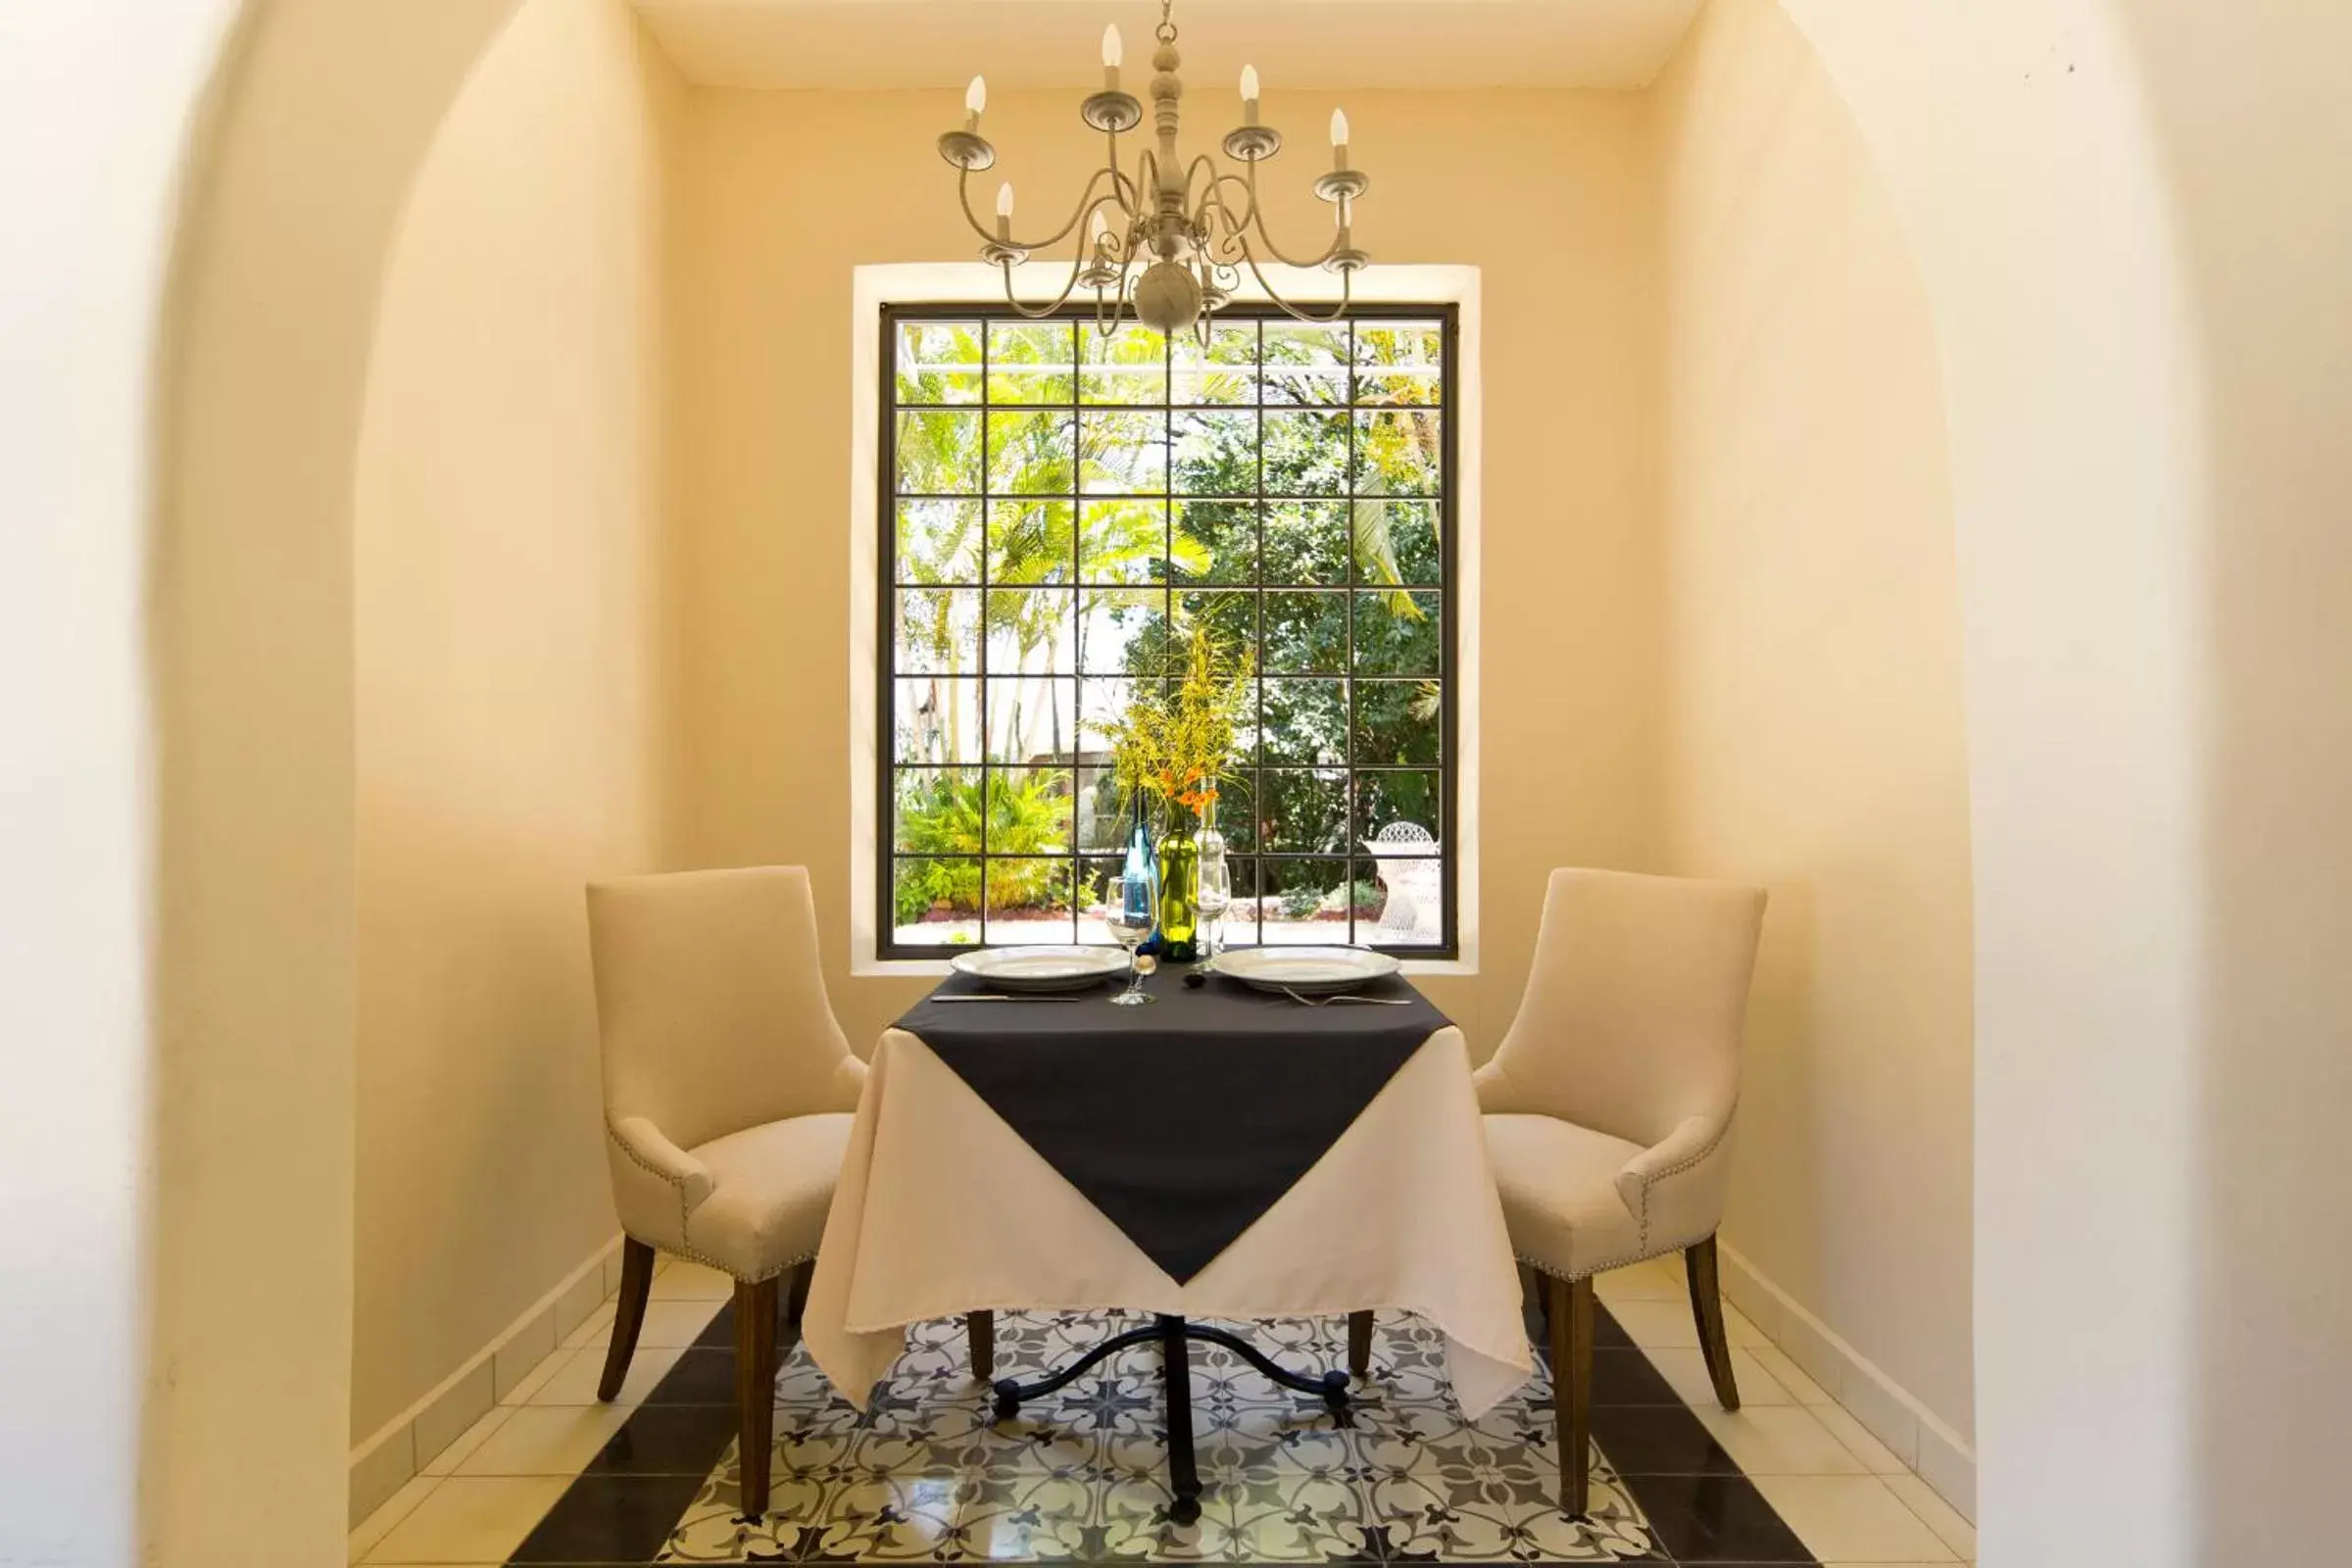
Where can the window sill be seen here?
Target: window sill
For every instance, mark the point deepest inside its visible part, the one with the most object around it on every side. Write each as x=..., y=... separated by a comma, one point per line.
x=917, y=968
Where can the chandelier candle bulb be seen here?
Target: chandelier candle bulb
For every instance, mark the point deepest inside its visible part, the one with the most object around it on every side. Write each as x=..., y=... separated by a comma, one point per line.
x=1005, y=211
x=1339, y=138
x=1111, y=56
x=1249, y=95
x=975, y=99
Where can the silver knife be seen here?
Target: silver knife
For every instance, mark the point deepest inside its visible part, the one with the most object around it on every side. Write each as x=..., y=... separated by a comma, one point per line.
x=992, y=998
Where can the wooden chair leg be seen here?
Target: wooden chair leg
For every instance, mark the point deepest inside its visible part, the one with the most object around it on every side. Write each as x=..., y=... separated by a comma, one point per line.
x=796, y=1298
x=980, y=1333
x=1569, y=1311
x=628, y=1314
x=756, y=1387
x=1359, y=1346
x=1706, y=1305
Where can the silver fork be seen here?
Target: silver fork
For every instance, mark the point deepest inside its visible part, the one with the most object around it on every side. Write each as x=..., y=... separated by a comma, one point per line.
x=1325, y=1001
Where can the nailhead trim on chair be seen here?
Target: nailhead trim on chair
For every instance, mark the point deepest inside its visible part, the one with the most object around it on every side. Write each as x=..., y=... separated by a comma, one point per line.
x=1597, y=1269
x=1644, y=1253
x=1696, y=1156
x=650, y=1169
x=685, y=1249
x=707, y=1261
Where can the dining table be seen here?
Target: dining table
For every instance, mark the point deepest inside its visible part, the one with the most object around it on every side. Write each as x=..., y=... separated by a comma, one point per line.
x=1221, y=1155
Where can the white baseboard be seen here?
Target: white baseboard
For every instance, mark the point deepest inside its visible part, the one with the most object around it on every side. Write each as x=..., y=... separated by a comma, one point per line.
x=404, y=1445
x=1918, y=1436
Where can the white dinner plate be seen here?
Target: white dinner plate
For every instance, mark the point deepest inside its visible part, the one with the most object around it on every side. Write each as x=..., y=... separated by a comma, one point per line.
x=1041, y=968
x=1310, y=971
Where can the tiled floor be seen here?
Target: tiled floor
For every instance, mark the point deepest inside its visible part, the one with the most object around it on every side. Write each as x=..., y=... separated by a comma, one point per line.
x=552, y=1477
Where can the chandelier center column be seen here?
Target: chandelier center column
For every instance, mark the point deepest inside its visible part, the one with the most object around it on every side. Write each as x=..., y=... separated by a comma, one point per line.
x=1167, y=92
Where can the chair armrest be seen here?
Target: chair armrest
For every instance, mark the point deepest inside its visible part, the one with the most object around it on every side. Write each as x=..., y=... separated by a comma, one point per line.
x=642, y=1142
x=1497, y=1094
x=848, y=1082
x=1687, y=1164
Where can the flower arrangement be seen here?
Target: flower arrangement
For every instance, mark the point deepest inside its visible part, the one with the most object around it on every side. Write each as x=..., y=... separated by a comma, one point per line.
x=1177, y=744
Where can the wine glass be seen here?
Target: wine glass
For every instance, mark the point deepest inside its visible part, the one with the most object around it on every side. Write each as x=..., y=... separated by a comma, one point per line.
x=1215, y=895
x=1130, y=908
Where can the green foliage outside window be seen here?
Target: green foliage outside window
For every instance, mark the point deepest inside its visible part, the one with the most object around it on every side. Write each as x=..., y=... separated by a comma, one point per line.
x=1282, y=488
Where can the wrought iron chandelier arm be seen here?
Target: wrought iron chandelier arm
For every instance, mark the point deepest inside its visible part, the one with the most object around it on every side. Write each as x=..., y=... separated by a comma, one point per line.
x=1041, y=312
x=1257, y=221
x=1129, y=192
x=1086, y=201
x=1214, y=197
x=1110, y=304
x=1346, y=292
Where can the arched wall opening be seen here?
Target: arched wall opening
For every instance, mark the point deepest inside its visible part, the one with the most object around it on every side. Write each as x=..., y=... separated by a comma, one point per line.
x=2114, y=372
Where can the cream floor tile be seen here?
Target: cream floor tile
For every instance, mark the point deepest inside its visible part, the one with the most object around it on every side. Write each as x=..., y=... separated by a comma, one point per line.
x=392, y=1512
x=594, y=1331
x=1658, y=1280
x=473, y=1437
x=1790, y=1376
x=1852, y=1519
x=1687, y=1371
x=672, y=1324
x=1662, y=1325
x=1670, y=1324
x=1877, y=1458
x=1740, y=1329
x=538, y=1378
x=1940, y=1516
x=472, y=1519
x=678, y=1280
x=547, y=1439
x=575, y=1381
x=1779, y=1440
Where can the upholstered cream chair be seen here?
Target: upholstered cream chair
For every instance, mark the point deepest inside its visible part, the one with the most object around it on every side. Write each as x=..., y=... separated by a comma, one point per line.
x=728, y=1088
x=1610, y=1106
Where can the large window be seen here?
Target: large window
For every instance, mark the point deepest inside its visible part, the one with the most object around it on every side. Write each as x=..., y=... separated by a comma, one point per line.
x=1059, y=507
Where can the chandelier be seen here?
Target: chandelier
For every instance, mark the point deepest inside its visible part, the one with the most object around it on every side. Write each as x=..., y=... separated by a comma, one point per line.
x=1194, y=228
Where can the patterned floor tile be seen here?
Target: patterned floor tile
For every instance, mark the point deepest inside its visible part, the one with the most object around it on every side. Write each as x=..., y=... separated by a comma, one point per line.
x=928, y=1476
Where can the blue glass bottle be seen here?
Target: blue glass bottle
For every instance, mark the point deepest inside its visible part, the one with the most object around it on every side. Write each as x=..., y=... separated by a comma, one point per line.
x=1142, y=867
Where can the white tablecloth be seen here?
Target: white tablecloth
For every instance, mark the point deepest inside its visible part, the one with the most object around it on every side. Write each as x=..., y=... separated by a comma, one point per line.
x=943, y=1209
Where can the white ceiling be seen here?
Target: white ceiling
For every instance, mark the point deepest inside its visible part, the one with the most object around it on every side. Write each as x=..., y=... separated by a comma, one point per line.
x=1054, y=43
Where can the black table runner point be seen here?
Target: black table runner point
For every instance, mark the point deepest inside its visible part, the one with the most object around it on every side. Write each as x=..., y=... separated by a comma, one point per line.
x=1185, y=1123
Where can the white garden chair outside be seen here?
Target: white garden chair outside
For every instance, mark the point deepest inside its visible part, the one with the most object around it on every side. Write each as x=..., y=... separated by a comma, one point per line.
x=1411, y=867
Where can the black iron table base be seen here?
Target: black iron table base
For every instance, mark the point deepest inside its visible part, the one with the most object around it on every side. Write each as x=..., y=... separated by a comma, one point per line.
x=1184, y=1473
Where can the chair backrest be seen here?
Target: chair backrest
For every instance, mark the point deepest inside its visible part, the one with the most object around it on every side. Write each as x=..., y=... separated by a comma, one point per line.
x=1632, y=1012
x=711, y=1002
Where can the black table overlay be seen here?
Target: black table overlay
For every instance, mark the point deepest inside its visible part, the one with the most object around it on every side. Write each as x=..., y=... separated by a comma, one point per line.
x=1186, y=1120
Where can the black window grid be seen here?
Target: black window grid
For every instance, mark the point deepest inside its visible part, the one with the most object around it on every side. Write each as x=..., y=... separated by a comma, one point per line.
x=1349, y=859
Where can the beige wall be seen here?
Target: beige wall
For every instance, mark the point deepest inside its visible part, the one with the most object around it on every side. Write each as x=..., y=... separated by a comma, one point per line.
x=296, y=181
x=1543, y=191
x=1815, y=738
x=509, y=506
x=2131, y=224
x=90, y=183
